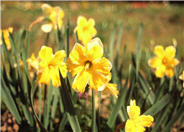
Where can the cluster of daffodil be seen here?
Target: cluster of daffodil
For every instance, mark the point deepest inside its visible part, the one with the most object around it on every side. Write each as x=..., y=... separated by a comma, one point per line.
x=6, y=34
x=88, y=66
x=85, y=62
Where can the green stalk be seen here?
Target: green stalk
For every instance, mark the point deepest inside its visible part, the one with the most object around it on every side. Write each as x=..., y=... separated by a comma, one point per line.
x=40, y=105
x=99, y=101
x=93, y=113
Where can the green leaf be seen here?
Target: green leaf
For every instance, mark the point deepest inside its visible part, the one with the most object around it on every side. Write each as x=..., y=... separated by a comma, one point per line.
x=158, y=106
x=116, y=108
x=9, y=102
x=48, y=104
x=67, y=39
x=68, y=105
x=63, y=123
x=138, y=49
x=175, y=118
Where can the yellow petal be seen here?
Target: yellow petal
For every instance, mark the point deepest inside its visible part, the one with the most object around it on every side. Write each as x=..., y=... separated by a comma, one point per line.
x=74, y=68
x=145, y=121
x=47, y=9
x=159, y=51
x=97, y=80
x=132, y=126
x=80, y=81
x=160, y=71
x=170, y=52
x=182, y=76
x=95, y=49
x=46, y=28
x=111, y=88
x=58, y=58
x=91, y=22
x=169, y=72
x=10, y=29
x=54, y=75
x=43, y=77
x=45, y=54
x=102, y=65
x=133, y=110
x=63, y=69
x=154, y=62
x=77, y=54
x=81, y=21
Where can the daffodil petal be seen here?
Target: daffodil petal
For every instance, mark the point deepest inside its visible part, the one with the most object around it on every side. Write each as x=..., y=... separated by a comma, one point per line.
x=95, y=49
x=58, y=57
x=181, y=77
x=47, y=9
x=154, y=62
x=74, y=68
x=97, y=80
x=63, y=69
x=91, y=22
x=160, y=71
x=169, y=72
x=111, y=88
x=45, y=54
x=145, y=121
x=102, y=65
x=170, y=52
x=159, y=51
x=80, y=81
x=133, y=110
x=77, y=54
x=81, y=21
x=131, y=126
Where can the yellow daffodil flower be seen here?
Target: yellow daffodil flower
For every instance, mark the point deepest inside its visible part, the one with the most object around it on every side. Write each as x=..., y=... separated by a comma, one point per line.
x=85, y=29
x=55, y=15
x=6, y=32
x=50, y=65
x=89, y=66
x=164, y=61
x=182, y=77
x=137, y=122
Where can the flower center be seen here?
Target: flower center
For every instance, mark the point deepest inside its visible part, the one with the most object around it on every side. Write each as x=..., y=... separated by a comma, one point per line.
x=51, y=65
x=87, y=65
x=164, y=61
x=85, y=28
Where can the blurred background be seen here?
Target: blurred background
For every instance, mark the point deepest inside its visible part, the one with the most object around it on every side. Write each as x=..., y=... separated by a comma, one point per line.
x=162, y=22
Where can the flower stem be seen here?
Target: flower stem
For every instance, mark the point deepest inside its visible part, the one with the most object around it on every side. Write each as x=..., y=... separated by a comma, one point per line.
x=93, y=112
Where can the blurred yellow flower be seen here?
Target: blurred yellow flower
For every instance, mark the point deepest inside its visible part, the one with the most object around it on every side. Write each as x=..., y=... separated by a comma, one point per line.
x=164, y=61
x=6, y=32
x=85, y=29
x=182, y=77
x=50, y=65
x=137, y=122
x=33, y=65
x=55, y=15
x=89, y=66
